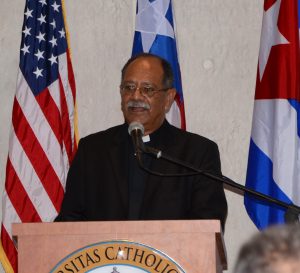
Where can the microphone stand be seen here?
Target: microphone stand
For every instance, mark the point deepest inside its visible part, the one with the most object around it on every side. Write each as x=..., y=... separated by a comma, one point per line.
x=292, y=211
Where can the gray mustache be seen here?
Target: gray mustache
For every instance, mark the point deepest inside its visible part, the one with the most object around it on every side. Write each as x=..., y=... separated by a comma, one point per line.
x=138, y=104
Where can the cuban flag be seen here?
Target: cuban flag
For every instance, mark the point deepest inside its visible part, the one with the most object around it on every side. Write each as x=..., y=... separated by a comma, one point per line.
x=273, y=164
x=154, y=33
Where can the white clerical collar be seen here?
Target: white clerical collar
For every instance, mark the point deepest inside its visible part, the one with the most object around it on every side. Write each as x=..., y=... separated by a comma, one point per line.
x=146, y=138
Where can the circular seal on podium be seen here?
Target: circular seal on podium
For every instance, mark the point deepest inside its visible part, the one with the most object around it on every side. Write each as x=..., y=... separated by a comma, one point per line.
x=117, y=256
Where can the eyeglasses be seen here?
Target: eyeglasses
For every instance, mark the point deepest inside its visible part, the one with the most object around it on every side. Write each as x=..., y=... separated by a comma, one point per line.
x=146, y=90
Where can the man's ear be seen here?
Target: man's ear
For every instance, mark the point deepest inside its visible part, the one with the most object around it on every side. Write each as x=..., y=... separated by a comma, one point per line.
x=171, y=93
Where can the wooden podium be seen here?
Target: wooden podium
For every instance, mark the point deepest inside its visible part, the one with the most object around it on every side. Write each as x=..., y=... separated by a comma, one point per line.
x=196, y=245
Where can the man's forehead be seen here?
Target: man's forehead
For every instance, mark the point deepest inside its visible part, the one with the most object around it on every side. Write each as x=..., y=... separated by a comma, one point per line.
x=146, y=62
x=144, y=68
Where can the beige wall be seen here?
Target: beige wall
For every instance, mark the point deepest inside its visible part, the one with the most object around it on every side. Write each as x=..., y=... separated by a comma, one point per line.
x=218, y=44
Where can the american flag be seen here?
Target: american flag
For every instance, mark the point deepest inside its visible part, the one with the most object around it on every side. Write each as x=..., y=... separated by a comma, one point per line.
x=42, y=137
x=154, y=33
x=273, y=165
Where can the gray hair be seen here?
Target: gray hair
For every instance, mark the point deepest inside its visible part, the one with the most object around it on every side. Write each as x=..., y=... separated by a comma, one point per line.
x=274, y=250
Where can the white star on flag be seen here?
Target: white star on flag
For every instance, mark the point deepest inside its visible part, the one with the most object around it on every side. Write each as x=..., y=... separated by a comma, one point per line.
x=151, y=21
x=40, y=37
x=25, y=49
x=26, y=31
x=43, y=2
x=270, y=36
x=55, y=6
x=53, y=59
x=62, y=33
x=42, y=19
x=53, y=42
x=53, y=24
x=39, y=54
x=38, y=72
x=28, y=13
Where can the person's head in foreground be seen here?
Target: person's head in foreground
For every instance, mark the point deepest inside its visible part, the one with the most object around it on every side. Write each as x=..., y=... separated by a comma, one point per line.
x=274, y=250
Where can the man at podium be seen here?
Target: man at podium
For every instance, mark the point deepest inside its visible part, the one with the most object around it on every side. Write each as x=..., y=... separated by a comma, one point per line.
x=105, y=181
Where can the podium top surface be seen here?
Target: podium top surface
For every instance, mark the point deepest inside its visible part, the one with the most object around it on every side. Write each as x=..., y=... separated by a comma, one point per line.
x=129, y=227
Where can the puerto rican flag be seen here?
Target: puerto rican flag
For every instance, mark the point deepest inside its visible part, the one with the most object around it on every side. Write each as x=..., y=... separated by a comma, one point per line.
x=154, y=33
x=274, y=163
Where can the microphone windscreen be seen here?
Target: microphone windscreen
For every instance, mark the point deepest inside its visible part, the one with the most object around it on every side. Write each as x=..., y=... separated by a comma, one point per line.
x=134, y=126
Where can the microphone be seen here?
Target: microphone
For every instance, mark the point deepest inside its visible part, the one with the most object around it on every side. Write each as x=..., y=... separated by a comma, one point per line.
x=136, y=130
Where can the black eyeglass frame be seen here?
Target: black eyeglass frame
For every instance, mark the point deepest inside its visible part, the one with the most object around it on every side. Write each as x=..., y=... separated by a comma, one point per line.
x=146, y=91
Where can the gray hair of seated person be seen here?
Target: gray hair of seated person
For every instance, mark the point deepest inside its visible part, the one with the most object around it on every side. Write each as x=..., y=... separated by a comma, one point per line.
x=274, y=250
